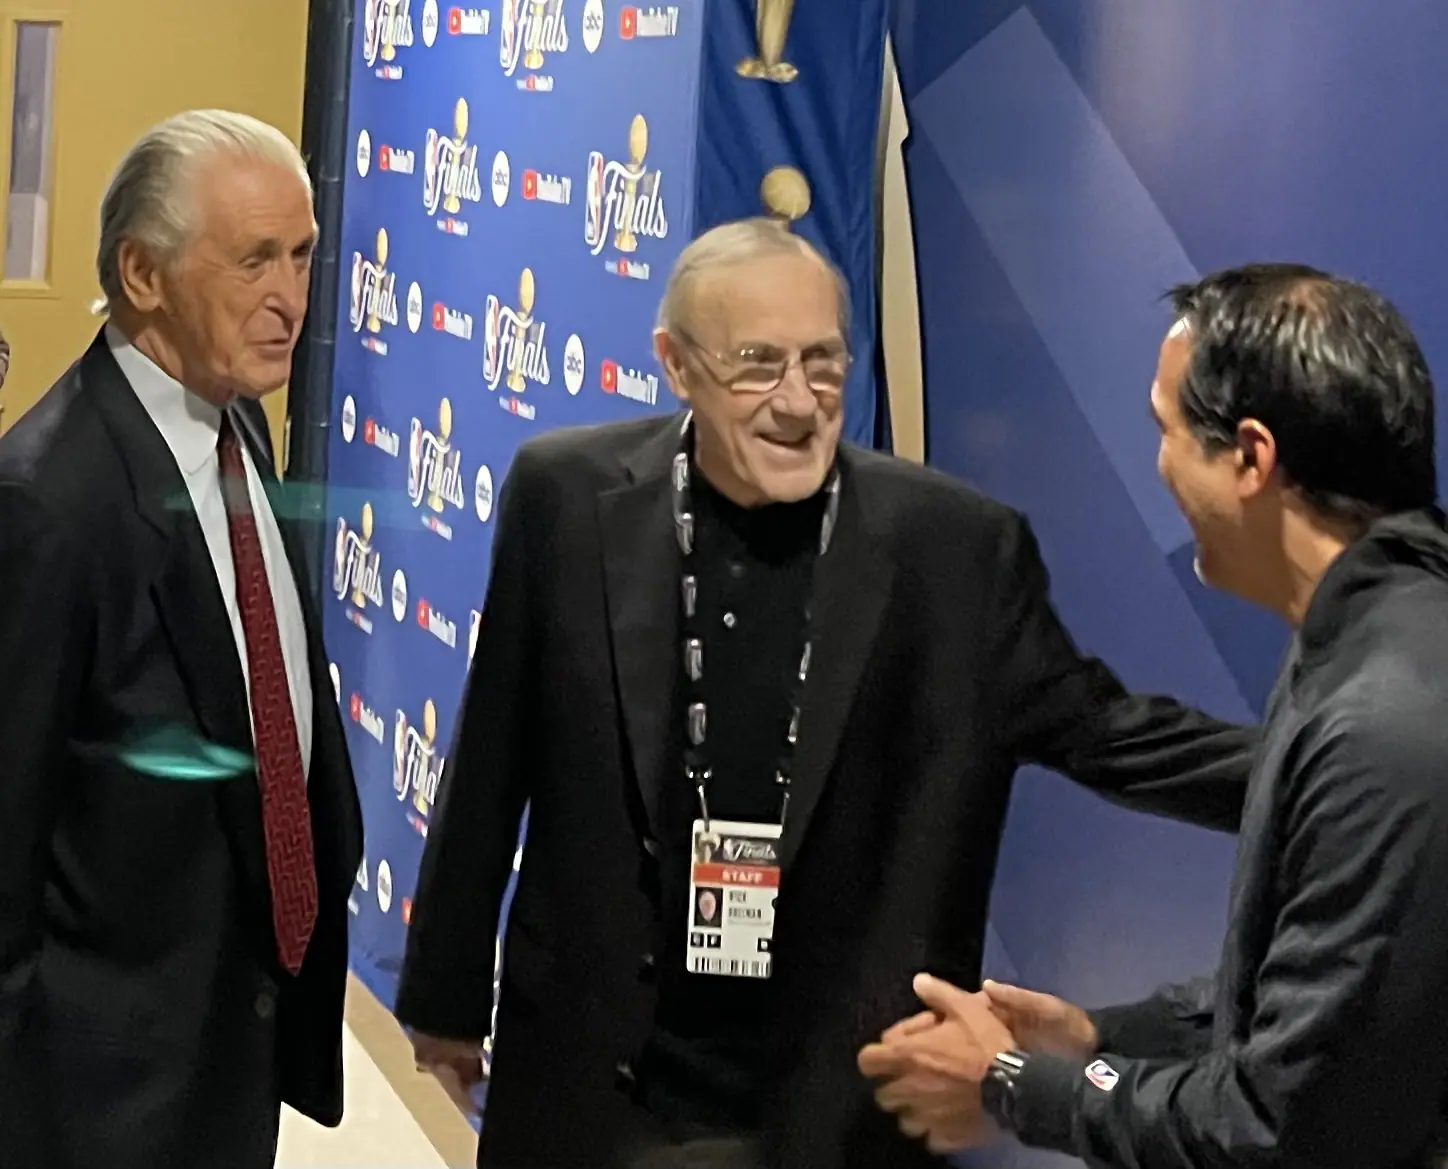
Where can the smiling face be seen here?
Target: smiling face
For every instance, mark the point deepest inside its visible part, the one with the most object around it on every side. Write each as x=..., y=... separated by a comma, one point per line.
x=1227, y=494
x=229, y=309
x=754, y=444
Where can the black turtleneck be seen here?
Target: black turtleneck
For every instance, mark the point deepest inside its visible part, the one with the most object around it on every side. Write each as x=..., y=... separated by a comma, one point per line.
x=709, y=1062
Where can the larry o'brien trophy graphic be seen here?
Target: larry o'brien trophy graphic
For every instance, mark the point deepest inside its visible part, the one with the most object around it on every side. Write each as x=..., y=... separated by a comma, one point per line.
x=771, y=30
x=416, y=766
x=434, y=468
x=374, y=291
x=357, y=568
x=386, y=24
x=529, y=28
x=785, y=194
x=624, y=195
x=450, y=167
x=513, y=340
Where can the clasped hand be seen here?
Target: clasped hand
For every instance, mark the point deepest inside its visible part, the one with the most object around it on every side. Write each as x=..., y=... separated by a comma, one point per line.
x=928, y=1069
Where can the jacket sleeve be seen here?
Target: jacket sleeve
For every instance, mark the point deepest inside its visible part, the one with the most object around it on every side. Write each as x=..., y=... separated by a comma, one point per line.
x=447, y=975
x=1174, y=1023
x=1344, y=1060
x=43, y=655
x=1068, y=712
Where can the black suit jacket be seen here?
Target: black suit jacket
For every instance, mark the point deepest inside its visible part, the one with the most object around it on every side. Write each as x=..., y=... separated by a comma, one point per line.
x=144, y=1020
x=940, y=668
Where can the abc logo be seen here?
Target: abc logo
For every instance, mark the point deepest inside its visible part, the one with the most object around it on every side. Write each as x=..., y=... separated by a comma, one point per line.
x=483, y=494
x=593, y=25
x=399, y=596
x=414, y=307
x=573, y=364
x=349, y=418
x=502, y=178
x=384, y=886
x=364, y=153
x=429, y=23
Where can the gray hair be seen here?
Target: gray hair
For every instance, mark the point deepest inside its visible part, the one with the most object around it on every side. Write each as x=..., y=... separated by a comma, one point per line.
x=147, y=200
x=731, y=244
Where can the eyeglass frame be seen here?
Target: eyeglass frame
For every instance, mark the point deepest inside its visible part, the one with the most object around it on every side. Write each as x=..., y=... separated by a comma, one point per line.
x=794, y=358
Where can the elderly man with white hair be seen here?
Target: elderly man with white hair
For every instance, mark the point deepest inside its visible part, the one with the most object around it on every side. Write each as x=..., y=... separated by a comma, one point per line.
x=726, y=624
x=179, y=828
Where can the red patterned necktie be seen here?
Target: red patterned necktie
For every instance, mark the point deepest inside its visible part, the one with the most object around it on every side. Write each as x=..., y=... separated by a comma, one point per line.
x=286, y=818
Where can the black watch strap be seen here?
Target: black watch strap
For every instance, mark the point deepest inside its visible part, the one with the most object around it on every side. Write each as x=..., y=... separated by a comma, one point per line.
x=998, y=1091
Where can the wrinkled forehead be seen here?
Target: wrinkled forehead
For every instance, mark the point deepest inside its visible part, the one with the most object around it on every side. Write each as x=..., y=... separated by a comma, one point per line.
x=786, y=300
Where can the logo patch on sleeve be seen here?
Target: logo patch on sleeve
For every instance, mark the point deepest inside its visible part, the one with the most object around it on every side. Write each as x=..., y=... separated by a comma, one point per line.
x=1102, y=1075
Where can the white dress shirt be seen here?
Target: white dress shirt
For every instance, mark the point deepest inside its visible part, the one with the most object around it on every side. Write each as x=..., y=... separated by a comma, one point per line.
x=191, y=427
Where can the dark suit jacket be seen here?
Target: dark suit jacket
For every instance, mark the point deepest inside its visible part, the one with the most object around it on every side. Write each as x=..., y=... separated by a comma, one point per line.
x=939, y=669
x=144, y=1020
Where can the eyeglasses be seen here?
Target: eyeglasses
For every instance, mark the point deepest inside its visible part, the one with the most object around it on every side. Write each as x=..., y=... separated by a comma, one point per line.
x=758, y=368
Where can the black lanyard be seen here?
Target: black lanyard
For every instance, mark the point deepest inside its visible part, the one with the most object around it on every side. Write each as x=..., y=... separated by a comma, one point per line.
x=696, y=715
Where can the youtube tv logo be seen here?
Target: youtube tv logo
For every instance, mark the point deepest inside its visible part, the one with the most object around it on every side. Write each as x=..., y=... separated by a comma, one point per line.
x=369, y=432
x=530, y=184
x=439, y=317
x=628, y=22
x=608, y=376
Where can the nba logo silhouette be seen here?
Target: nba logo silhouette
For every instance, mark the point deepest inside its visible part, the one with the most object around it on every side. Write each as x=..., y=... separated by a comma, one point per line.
x=492, y=324
x=593, y=201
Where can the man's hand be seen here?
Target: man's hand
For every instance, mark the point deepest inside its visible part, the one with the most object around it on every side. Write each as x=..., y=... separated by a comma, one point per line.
x=928, y=1068
x=1042, y=1022
x=456, y=1064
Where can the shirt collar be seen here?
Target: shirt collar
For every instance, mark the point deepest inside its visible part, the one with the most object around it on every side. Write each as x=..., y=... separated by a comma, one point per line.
x=189, y=424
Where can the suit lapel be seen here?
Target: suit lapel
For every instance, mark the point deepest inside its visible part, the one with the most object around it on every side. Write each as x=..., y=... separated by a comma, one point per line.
x=187, y=596
x=641, y=562
x=851, y=589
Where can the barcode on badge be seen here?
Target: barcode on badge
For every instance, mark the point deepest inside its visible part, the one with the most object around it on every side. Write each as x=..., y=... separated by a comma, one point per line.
x=733, y=967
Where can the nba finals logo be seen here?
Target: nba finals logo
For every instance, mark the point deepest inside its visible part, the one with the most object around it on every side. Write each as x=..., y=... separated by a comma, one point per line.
x=416, y=765
x=530, y=28
x=623, y=202
x=386, y=27
x=513, y=343
x=357, y=570
x=450, y=173
x=374, y=296
x=434, y=470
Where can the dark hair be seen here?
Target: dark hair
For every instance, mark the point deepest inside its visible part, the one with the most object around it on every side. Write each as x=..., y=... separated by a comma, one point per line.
x=1329, y=367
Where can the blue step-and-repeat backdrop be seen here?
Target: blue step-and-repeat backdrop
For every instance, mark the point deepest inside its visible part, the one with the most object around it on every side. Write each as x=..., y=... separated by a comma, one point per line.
x=1068, y=161
x=522, y=175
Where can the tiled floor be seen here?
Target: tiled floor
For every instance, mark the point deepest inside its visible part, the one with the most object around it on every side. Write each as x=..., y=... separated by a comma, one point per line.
x=378, y=1132
x=393, y=1117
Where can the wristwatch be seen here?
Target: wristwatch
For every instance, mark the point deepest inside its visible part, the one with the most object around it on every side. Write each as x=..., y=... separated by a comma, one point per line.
x=998, y=1089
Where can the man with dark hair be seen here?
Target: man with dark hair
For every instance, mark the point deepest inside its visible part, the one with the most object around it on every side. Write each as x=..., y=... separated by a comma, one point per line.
x=1296, y=416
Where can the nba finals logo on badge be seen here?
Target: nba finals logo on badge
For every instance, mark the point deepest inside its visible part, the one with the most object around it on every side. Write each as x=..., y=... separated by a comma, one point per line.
x=1102, y=1075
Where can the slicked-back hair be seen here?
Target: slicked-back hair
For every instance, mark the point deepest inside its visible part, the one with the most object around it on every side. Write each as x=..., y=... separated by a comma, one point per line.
x=1330, y=367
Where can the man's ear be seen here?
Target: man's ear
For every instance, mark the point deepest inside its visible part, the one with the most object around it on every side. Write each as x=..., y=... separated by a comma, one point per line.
x=1256, y=455
x=666, y=349
x=141, y=277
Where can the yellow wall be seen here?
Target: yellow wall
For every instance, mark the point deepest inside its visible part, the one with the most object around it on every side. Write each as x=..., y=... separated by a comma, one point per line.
x=123, y=65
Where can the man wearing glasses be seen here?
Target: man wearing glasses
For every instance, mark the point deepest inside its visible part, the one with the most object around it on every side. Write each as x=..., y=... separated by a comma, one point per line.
x=725, y=627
